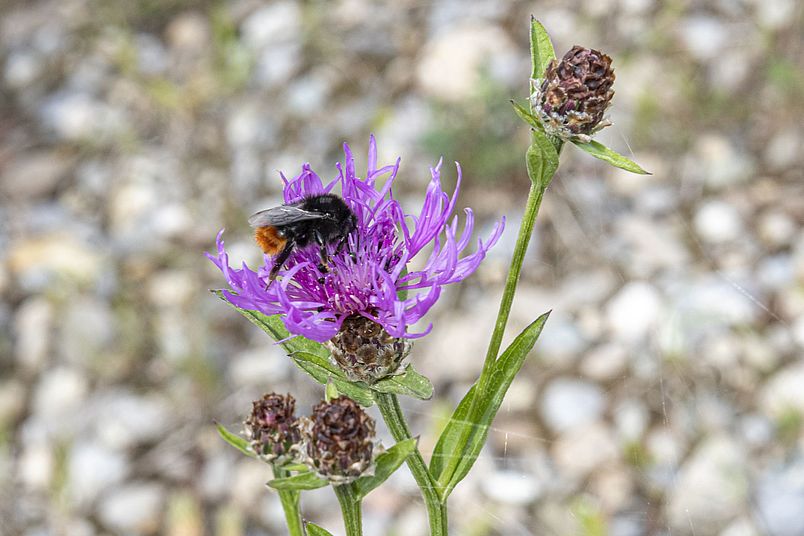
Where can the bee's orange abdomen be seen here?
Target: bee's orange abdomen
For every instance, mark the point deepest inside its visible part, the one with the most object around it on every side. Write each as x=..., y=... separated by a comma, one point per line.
x=269, y=239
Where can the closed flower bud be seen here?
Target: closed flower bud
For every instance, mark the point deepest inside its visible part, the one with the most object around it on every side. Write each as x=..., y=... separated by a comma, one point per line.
x=573, y=96
x=365, y=351
x=338, y=440
x=272, y=428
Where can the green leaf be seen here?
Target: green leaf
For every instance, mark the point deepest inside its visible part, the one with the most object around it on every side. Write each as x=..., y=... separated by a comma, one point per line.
x=526, y=116
x=541, y=48
x=541, y=159
x=601, y=152
x=300, y=482
x=315, y=530
x=235, y=440
x=331, y=391
x=502, y=373
x=385, y=464
x=274, y=327
x=323, y=372
x=402, y=294
x=409, y=383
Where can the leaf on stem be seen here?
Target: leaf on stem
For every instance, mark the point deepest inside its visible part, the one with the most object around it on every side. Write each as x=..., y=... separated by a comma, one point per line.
x=541, y=48
x=323, y=371
x=601, y=152
x=299, y=482
x=541, y=159
x=409, y=383
x=502, y=374
x=385, y=464
x=315, y=530
x=526, y=116
x=274, y=327
x=235, y=440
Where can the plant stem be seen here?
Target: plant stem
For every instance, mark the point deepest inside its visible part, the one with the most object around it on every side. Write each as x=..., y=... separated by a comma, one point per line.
x=290, y=504
x=350, y=507
x=535, y=195
x=395, y=420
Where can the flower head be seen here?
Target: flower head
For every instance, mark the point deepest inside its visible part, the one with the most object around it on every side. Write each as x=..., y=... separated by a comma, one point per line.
x=370, y=276
x=272, y=427
x=339, y=440
x=574, y=94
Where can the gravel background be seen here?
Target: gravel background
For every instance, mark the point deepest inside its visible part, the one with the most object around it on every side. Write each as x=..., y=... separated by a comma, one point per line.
x=666, y=395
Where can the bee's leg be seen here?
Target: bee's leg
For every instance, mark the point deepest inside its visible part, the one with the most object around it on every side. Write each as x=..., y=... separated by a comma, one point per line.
x=280, y=260
x=322, y=251
x=341, y=244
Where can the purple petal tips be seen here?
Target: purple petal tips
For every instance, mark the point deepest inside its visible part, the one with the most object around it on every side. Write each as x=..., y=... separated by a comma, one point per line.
x=370, y=277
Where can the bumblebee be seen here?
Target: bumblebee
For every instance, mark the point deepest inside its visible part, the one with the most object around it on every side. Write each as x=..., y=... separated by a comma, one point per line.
x=319, y=219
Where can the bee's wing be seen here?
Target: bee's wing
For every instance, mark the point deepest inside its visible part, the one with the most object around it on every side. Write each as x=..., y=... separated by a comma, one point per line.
x=282, y=215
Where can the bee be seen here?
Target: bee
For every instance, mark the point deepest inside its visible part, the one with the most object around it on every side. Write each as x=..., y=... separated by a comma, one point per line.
x=319, y=219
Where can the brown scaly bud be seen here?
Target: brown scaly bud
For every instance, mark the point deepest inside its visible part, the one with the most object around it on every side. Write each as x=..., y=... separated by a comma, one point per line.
x=573, y=96
x=272, y=427
x=365, y=351
x=338, y=440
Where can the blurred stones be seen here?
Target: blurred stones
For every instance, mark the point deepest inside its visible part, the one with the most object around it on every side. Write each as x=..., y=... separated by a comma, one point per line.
x=91, y=470
x=712, y=488
x=780, y=493
x=512, y=487
x=59, y=396
x=585, y=448
x=717, y=222
x=450, y=65
x=135, y=508
x=568, y=403
x=34, y=175
x=634, y=311
x=32, y=328
x=125, y=419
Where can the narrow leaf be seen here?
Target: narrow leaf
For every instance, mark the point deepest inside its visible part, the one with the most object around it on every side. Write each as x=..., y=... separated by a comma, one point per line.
x=315, y=530
x=526, y=116
x=601, y=152
x=541, y=159
x=300, y=482
x=541, y=48
x=323, y=372
x=235, y=440
x=503, y=373
x=274, y=327
x=410, y=383
x=385, y=464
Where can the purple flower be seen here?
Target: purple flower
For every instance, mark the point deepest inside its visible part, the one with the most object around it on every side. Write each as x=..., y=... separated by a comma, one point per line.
x=369, y=277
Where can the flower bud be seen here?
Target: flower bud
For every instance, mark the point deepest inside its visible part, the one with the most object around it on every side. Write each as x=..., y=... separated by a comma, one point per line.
x=574, y=94
x=365, y=351
x=338, y=440
x=272, y=427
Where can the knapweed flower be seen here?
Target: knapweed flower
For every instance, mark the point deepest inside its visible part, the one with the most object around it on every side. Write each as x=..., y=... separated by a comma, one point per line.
x=272, y=427
x=574, y=93
x=338, y=440
x=365, y=351
x=371, y=275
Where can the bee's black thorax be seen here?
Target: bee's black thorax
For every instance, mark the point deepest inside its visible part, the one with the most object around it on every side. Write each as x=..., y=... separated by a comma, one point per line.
x=336, y=226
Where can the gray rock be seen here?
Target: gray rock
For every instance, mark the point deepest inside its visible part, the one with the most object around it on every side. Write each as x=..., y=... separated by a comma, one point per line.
x=703, y=36
x=718, y=221
x=779, y=496
x=93, y=468
x=512, y=487
x=634, y=311
x=712, y=488
x=59, y=395
x=133, y=509
x=87, y=329
x=605, y=362
x=34, y=175
x=124, y=419
x=585, y=448
x=32, y=327
x=783, y=392
x=569, y=403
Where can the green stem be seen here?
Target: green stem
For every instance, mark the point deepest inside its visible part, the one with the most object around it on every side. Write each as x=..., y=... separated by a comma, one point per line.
x=290, y=504
x=537, y=189
x=350, y=507
x=395, y=420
